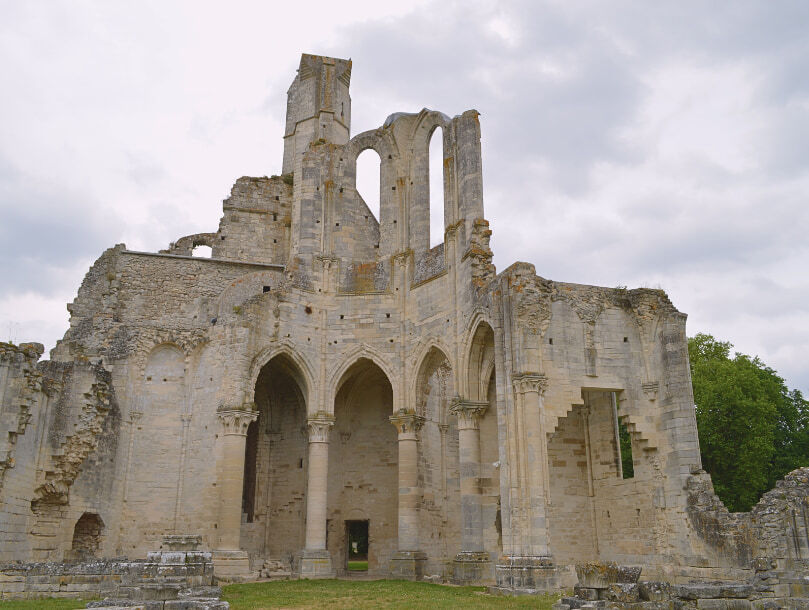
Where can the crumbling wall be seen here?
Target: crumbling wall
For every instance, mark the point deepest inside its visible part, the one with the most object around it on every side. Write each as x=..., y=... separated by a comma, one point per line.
x=256, y=221
x=55, y=417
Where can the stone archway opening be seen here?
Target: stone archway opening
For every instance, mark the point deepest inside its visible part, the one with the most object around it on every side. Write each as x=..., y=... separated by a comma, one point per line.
x=87, y=536
x=439, y=465
x=274, y=490
x=363, y=467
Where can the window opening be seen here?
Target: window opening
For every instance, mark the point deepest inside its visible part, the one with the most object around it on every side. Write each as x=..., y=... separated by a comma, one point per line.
x=357, y=543
x=623, y=438
x=249, y=489
x=202, y=251
x=369, y=169
x=436, y=187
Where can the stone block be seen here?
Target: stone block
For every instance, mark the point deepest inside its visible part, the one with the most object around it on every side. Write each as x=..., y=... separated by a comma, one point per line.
x=724, y=604
x=621, y=592
x=585, y=593
x=654, y=591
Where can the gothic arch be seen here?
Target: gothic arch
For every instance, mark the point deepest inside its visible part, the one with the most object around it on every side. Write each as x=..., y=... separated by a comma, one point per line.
x=478, y=361
x=432, y=358
x=358, y=353
x=303, y=375
x=378, y=139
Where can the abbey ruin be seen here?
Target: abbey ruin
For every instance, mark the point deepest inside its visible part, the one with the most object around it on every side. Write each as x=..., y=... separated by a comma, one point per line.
x=326, y=372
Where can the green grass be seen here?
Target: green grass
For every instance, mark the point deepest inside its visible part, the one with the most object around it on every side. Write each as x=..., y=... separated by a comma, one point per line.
x=360, y=566
x=337, y=594
x=370, y=594
x=43, y=604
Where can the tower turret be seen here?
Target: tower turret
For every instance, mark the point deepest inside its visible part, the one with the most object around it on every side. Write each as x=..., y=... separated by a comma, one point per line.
x=318, y=106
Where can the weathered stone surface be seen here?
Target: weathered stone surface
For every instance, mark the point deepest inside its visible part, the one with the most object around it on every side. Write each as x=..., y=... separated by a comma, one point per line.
x=654, y=590
x=330, y=369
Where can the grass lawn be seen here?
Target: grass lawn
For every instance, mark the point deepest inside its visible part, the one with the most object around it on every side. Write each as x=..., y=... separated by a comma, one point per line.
x=359, y=566
x=369, y=594
x=336, y=594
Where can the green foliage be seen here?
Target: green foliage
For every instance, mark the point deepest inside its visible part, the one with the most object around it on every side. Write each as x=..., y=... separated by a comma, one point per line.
x=752, y=429
x=627, y=465
x=371, y=594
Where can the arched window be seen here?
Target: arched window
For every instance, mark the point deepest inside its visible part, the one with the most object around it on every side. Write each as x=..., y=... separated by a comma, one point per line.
x=437, y=187
x=369, y=168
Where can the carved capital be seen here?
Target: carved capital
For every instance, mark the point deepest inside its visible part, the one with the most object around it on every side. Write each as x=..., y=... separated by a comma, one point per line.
x=318, y=428
x=236, y=421
x=529, y=382
x=407, y=423
x=469, y=413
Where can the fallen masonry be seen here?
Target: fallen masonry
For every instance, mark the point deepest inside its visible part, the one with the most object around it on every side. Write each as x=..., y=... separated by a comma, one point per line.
x=336, y=385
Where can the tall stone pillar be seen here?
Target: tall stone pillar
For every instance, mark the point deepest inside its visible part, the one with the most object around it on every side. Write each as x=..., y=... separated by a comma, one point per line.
x=472, y=564
x=408, y=561
x=315, y=559
x=529, y=567
x=230, y=562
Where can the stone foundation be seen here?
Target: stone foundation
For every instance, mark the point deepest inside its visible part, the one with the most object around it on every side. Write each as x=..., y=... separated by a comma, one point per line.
x=472, y=568
x=408, y=565
x=315, y=564
x=525, y=575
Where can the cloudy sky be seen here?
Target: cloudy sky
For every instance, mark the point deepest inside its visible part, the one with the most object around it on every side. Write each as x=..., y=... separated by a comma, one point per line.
x=656, y=144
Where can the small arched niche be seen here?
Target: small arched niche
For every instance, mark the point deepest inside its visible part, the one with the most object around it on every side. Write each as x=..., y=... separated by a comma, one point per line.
x=87, y=535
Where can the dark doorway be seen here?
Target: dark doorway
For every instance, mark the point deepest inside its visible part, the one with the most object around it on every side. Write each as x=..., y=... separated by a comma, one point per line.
x=357, y=544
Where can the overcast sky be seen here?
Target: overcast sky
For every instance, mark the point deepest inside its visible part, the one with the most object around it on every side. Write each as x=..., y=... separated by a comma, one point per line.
x=659, y=144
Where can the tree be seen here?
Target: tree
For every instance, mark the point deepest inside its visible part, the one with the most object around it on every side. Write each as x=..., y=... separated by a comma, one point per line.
x=752, y=429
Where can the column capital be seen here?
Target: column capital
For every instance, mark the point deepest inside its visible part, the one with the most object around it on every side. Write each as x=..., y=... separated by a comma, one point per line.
x=318, y=427
x=235, y=421
x=468, y=412
x=529, y=382
x=407, y=423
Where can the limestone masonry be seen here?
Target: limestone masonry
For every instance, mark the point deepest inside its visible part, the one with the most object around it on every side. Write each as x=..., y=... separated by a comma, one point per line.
x=325, y=373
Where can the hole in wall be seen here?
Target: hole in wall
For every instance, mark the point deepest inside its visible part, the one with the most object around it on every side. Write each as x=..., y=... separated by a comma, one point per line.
x=202, y=251
x=436, y=170
x=369, y=170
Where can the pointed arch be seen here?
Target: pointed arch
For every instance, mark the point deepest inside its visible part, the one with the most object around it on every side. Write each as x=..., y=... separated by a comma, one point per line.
x=478, y=317
x=360, y=352
x=480, y=361
x=301, y=372
x=434, y=361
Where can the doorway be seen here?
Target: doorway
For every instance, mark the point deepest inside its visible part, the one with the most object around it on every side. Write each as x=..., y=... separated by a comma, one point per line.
x=357, y=546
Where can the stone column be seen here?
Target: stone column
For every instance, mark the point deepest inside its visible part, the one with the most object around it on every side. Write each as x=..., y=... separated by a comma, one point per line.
x=530, y=566
x=229, y=561
x=472, y=564
x=408, y=561
x=315, y=559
